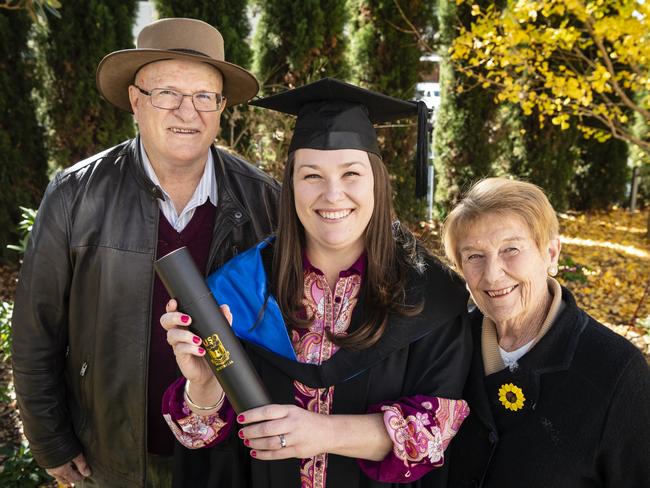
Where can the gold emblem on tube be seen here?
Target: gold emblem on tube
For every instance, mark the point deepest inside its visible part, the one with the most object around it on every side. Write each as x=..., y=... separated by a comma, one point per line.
x=217, y=353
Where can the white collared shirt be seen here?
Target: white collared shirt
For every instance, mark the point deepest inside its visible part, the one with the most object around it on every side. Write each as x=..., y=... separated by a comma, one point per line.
x=511, y=358
x=207, y=188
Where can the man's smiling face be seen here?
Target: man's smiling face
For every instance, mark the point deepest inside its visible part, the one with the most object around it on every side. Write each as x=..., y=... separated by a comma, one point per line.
x=183, y=136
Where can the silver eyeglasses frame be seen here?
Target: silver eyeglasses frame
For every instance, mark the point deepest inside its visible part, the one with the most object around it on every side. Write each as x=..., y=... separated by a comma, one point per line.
x=156, y=92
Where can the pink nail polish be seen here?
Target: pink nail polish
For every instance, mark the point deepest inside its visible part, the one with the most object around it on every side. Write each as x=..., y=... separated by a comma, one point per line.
x=240, y=434
x=201, y=351
x=196, y=340
x=240, y=418
x=254, y=453
x=247, y=442
x=185, y=319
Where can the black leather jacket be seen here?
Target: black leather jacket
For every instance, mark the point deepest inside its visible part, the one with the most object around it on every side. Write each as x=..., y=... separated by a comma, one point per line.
x=82, y=314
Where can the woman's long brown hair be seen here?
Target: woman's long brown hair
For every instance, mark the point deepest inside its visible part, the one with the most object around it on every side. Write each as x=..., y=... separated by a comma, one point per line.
x=383, y=288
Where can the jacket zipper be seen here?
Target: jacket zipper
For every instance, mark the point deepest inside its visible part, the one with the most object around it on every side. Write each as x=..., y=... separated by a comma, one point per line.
x=83, y=397
x=219, y=237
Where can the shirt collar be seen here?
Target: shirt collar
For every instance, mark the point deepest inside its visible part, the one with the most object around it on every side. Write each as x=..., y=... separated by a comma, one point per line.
x=206, y=188
x=358, y=267
x=492, y=361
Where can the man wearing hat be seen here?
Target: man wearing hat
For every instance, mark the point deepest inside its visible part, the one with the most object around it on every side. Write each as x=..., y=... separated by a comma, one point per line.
x=90, y=359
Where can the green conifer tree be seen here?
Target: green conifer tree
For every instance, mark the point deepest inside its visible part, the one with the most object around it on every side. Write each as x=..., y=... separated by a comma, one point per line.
x=23, y=160
x=549, y=159
x=386, y=58
x=81, y=122
x=601, y=175
x=298, y=42
x=462, y=136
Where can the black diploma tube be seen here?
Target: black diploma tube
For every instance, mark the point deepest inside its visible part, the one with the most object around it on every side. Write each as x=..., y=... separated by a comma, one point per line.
x=224, y=352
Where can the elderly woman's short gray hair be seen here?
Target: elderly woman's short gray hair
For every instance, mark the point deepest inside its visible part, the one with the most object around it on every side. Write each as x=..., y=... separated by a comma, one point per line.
x=505, y=197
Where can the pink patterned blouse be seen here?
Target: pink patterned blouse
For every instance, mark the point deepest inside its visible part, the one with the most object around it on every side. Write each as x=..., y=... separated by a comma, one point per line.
x=420, y=427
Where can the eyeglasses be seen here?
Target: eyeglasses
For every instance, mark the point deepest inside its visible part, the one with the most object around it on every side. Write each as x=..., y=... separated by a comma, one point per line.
x=168, y=99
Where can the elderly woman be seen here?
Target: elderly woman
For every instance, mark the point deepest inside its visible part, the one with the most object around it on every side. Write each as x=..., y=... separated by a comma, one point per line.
x=557, y=399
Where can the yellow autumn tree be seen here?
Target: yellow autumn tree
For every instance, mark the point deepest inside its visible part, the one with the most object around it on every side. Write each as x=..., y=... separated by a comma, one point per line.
x=565, y=61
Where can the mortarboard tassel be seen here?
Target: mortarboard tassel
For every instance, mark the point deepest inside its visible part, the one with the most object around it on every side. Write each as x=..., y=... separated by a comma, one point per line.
x=422, y=153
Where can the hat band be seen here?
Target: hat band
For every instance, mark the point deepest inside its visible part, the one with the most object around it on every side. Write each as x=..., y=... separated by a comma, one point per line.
x=189, y=51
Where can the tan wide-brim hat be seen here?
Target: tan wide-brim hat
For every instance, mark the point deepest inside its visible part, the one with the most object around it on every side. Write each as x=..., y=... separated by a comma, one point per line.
x=189, y=39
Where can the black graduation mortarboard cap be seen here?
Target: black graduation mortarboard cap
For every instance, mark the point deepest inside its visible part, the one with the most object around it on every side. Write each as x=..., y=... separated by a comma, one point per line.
x=333, y=114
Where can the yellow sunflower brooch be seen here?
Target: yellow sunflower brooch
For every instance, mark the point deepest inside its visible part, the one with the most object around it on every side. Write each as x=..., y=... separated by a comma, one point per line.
x=511, y=397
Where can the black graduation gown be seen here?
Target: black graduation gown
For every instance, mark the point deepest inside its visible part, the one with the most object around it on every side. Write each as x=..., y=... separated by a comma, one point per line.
x=584, y=423
x=428, y=354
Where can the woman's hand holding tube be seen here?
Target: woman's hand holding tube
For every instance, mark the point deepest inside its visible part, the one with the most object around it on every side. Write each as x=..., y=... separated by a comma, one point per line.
x=204, y=388
x=305, y=434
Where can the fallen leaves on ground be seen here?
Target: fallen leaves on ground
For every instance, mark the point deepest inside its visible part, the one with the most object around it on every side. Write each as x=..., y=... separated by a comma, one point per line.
x=613, y=252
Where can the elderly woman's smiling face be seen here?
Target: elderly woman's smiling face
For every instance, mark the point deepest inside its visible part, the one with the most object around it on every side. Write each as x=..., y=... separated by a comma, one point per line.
x=504, y=269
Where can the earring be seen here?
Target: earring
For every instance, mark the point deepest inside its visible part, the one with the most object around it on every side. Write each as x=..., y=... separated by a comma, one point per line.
x=552, y=270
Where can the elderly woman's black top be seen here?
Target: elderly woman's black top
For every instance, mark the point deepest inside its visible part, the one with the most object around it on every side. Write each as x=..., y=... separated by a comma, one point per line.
x=585, y=421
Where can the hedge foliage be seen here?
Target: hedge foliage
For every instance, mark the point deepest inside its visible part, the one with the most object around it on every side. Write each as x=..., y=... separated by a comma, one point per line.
x=387, y=59
x=80, y=122
x=298, y=42
x=369, y=42
x=464, y=151
x=23, y=160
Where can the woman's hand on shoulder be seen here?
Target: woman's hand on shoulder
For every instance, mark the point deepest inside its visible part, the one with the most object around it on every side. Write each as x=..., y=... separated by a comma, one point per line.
x=187, y=346
x=305, y=433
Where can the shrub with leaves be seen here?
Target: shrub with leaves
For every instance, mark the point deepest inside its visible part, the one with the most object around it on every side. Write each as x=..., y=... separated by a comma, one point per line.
x=25, y=228
x=569, y=270
x=19, y=469
x=6, y=389
x=6, y=311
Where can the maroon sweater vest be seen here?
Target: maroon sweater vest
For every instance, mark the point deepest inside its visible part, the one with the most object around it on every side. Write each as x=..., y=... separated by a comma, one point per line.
x=197, y=237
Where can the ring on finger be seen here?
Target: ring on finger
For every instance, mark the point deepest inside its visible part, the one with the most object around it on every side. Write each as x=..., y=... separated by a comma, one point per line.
x=283, y=441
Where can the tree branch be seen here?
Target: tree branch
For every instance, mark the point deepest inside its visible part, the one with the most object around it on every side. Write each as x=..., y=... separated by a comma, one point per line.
x=617, y=131
x=604, y=55
x=414, y=30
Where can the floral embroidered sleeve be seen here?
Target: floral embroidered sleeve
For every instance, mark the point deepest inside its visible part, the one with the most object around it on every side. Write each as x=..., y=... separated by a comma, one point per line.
x=420, y=427
x=192, y=430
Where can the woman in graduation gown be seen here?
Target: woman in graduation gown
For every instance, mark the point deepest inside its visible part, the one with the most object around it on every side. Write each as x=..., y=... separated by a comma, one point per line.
x=368, y=394
x=558, y=400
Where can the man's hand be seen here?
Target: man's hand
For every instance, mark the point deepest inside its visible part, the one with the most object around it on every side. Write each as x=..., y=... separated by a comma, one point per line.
x=75, y=470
